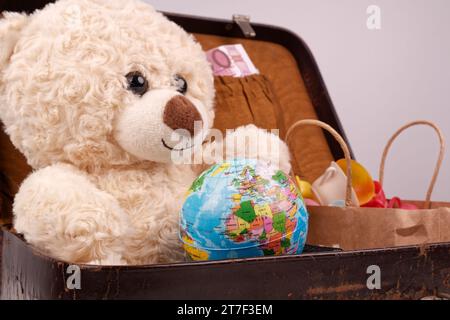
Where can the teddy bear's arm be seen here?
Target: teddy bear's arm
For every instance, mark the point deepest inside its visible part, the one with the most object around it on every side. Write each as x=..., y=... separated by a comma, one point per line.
x=258, y=143
x=60, y=211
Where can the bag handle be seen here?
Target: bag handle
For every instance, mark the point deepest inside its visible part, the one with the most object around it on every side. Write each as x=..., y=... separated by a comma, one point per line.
x=438, y=163
x=340, y=140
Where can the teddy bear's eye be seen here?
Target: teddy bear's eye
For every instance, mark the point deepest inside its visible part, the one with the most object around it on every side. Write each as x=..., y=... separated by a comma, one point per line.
x=137, y=83
x=180, y=83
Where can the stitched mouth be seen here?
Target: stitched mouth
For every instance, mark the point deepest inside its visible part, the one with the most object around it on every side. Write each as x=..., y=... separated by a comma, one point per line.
x=174, y=149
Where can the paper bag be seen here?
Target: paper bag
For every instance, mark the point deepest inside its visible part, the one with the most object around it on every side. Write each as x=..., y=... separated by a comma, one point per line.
x=353, y=228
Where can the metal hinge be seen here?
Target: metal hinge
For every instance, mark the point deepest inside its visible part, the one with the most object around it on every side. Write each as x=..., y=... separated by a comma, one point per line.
x=243, y=22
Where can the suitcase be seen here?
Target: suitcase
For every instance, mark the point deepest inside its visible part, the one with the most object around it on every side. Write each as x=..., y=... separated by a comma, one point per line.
x=289, y=71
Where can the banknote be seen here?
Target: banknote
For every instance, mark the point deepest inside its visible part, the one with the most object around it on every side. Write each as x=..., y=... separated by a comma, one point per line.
x=231, y=60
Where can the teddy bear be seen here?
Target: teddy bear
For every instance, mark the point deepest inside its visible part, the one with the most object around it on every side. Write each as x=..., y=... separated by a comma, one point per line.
x=92, y=93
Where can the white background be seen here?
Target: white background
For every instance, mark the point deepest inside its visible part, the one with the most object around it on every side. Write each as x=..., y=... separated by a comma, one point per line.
x=378, y=79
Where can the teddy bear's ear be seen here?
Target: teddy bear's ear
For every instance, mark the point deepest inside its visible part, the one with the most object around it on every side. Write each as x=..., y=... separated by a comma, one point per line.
x=11, y=24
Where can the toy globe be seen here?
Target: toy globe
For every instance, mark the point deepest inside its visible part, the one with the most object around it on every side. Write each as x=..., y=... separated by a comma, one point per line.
x=242, y=208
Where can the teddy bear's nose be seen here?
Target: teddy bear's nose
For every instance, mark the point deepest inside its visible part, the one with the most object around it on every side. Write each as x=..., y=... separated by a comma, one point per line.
x=180, y=113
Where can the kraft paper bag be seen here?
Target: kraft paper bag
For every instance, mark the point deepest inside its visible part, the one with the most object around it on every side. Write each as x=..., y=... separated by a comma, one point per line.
x=369, y=228
x=354, y=228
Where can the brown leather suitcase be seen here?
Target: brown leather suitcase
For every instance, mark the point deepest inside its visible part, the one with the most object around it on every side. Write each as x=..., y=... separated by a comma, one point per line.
x=289, y=88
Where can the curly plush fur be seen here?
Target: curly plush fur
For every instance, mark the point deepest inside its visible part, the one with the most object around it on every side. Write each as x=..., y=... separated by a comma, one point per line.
x=103, y=190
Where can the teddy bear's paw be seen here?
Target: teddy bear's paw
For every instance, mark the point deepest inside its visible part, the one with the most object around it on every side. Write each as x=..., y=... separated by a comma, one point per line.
x=60, y=211
x=253, y=142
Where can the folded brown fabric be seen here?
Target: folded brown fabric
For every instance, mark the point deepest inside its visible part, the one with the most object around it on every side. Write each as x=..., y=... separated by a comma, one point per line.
x=241, y=101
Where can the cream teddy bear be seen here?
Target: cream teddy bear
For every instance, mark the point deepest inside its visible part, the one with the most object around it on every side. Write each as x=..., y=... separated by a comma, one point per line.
x=93, y=92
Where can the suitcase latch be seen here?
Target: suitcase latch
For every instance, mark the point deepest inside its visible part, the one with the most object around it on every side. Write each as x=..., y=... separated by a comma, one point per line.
x=243, y=22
